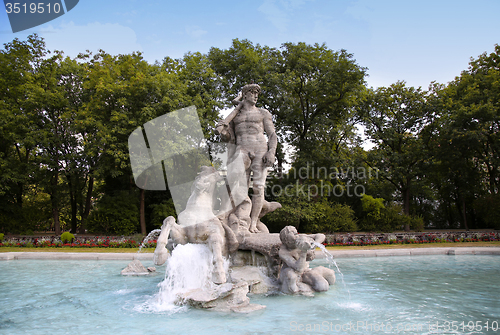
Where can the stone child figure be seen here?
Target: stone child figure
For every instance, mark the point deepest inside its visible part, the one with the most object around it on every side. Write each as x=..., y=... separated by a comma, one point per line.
x=295, y=275
x=246, y=127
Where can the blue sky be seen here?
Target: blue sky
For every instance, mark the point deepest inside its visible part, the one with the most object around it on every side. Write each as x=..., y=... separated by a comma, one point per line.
x=416, y=41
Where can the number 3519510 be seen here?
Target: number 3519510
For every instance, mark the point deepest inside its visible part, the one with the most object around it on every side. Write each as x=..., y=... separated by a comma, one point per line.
x=32, y=8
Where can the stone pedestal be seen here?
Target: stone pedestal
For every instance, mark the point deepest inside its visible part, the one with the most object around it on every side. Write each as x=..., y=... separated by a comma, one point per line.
x=227, y=297
x=256, y=278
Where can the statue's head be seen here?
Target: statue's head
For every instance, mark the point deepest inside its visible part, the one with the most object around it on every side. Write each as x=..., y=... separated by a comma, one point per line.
x=250, y=92
x=288, y=236
x=250, y=88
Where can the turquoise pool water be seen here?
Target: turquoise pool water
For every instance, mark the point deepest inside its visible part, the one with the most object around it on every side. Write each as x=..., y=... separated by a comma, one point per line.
x=388, y=295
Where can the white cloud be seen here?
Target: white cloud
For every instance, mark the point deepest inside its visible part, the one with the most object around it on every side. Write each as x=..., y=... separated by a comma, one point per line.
x=275, y=14
x=73, y=39
x=279, y=11
x=195, y=31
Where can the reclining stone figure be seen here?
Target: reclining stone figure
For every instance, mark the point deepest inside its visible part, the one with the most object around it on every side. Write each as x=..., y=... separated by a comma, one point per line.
x=295, y=275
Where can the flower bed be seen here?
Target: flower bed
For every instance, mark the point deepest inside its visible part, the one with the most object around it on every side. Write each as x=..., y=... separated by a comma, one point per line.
x=79, y=242
x=409, y=238
x=331, y=240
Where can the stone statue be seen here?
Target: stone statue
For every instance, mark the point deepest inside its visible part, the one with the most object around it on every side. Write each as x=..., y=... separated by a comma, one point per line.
x=198, y=224
x=234, y=231
x=260, y=261
x=249, y=157
x=295, y=275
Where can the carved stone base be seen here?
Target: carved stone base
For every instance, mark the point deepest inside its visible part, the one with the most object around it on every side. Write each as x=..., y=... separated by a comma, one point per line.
x=224, y=298
x=257, y=279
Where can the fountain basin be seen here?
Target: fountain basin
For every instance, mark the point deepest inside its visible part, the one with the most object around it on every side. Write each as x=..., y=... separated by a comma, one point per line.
x=89, y=297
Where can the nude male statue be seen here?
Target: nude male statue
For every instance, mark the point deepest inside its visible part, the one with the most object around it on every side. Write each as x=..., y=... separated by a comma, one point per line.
x=245, y=128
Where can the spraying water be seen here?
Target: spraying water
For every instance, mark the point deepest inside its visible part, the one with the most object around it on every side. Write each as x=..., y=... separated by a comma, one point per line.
x=148, y=238
x=332, y=262
x=190, y=267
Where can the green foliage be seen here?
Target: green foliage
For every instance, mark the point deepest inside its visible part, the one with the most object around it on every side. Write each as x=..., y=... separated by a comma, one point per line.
x=329, y=218
x=468, y=148
x=161, y=211
x=311, y=90
x=67, y=237
x=417, y=223
x=372, y=205
x=310, y=215
x=438, y=146
x=24, y=77
x=118, y=214
x=292, y=212
x=488, y=207
x=378, y=217
x=11, y=219
x=373, y=208
x=399, y=119
x=318, y=88
x=1, y=237
x=392, y=218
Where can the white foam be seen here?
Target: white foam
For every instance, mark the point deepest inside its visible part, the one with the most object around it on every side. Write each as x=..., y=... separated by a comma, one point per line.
x=124, y=291
x=356, y=306
x=190, y=267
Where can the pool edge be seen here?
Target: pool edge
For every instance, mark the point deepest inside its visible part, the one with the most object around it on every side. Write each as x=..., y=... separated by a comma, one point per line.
x=336, y=254
x=74, y=255
x=413, y=252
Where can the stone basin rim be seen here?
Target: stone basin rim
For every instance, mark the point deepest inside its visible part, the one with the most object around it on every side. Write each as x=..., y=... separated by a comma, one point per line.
x=336, y=254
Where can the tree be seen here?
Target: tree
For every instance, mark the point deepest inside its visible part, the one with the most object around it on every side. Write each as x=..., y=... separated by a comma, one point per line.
x=310, y=90
x=126, y=92
x=29, y=92
x=468, y=147
x=121, y=91
x=318, y=90
x=241, y=64
x=474, y=101
x=398, y=120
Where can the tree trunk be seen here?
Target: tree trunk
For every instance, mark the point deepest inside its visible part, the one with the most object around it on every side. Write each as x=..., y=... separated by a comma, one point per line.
x=55, y=206
x=464, y=215
x=280, y=158
x=55, y=216
x=88, y=203
x=406, y=204
x=73, y=203
x=19, y=195
x=143, y=213
x=450, y=214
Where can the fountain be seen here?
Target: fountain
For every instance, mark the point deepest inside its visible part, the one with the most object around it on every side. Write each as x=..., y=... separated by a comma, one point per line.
x=219, y=213
x=405, y=294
